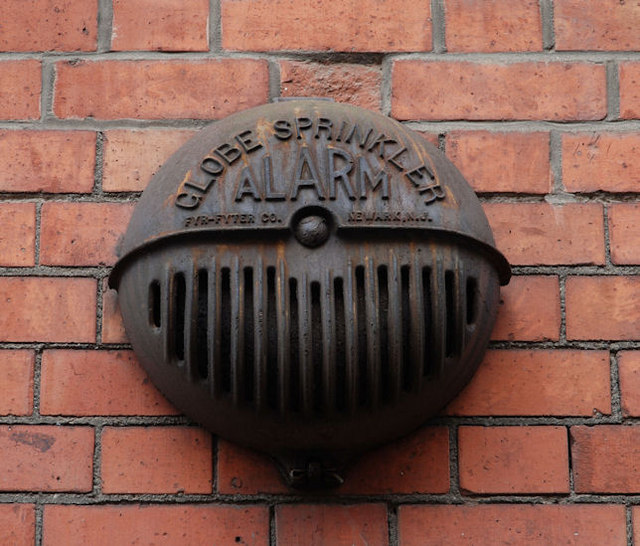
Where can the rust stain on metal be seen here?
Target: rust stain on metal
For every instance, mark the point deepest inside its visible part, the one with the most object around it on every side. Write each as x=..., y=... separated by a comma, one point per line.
x=309, y=279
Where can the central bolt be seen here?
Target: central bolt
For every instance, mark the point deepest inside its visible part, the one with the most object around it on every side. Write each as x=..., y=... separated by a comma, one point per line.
x=312, y=230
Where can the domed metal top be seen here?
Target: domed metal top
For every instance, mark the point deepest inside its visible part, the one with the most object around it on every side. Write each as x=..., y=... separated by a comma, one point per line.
x=255, y=169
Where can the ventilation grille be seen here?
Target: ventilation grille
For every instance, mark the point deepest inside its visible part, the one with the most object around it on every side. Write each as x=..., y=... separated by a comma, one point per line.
x=288, y=343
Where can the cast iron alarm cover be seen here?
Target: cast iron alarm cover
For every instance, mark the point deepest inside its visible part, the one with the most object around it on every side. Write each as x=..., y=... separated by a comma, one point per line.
x=309, y=279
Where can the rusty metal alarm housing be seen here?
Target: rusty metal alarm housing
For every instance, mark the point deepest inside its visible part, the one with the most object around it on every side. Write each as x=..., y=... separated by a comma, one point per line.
x=309, y=279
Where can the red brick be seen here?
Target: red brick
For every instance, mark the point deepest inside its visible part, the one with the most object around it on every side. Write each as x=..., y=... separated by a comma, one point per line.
x=603, y=308
x=348, y=83
x=418, y=463
x=18, y=524
x=528, y=91
x=312, y=25
x=629, y=371
x=511, y=460
x=502, y=162
x=543, y=234
x=160, y=26
x=601, y=161
x=205, y=89
x=596, y=25
x=98, y=383
x=20, y=86
x=18, y=235
x=156, y=460
x=630, y=90
x=46, y=458
x=529, y=309
x=47, y=161
x=16, y=387
x=47, y=309
x=242, y=471
x=319, y=525
x=112, y=326
x=48, y=25
x=106, y=525
x=493, y=25
x=132, y=157
x=624, y=233
x=82, y=233
x=605, y=459
x=488, y=525
x=540, y=382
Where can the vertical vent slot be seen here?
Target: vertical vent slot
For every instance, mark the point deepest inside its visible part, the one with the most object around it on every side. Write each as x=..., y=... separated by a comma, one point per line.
x=361, y=320
x=472, y=295
x=316, y=345
x=179, y=294
x=272, y=340
x=383, y=332
x=340, y=363
x=155, y=313
x=427, y=310
x=451, y=343
x=202, y=324
x=295, y=345
x=248, y=338
x=405, y=306
x=225, y=329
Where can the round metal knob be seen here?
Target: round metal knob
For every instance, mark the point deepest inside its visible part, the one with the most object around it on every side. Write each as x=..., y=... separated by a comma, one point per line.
x=312, y=230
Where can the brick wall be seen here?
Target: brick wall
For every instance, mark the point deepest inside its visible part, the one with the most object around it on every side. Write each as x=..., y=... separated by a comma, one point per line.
x=537, y=102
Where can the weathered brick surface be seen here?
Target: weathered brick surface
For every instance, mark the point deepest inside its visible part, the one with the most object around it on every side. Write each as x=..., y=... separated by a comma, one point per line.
x=596, y=25
x=47, y=309
x=18, y=235
x=163, y=26
x=529, y=309
x=112, y=325
x=348, y=83
x=155, y=524
x=483, y=91
x=156, y=460
x=20, y=86
x=416, y=464
x=603, y=307
x=539, y=382
x=365, y=25
x=601, y=161
x=47, y=161
x=246, y=472
x=17, y=524
x=605, y=459
x=624, y=233
x=132, y=157
x=159, y=89
x=16, y=387
x=536, y=524
x=542, y=234
x=630, y=90
x=45, y=25
x=79, y=382
x=512, y=460
x=46, y=458
x=629, y=372
x=318, y=525
x=502, y=162
x=493, y=25
x=82, y=233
